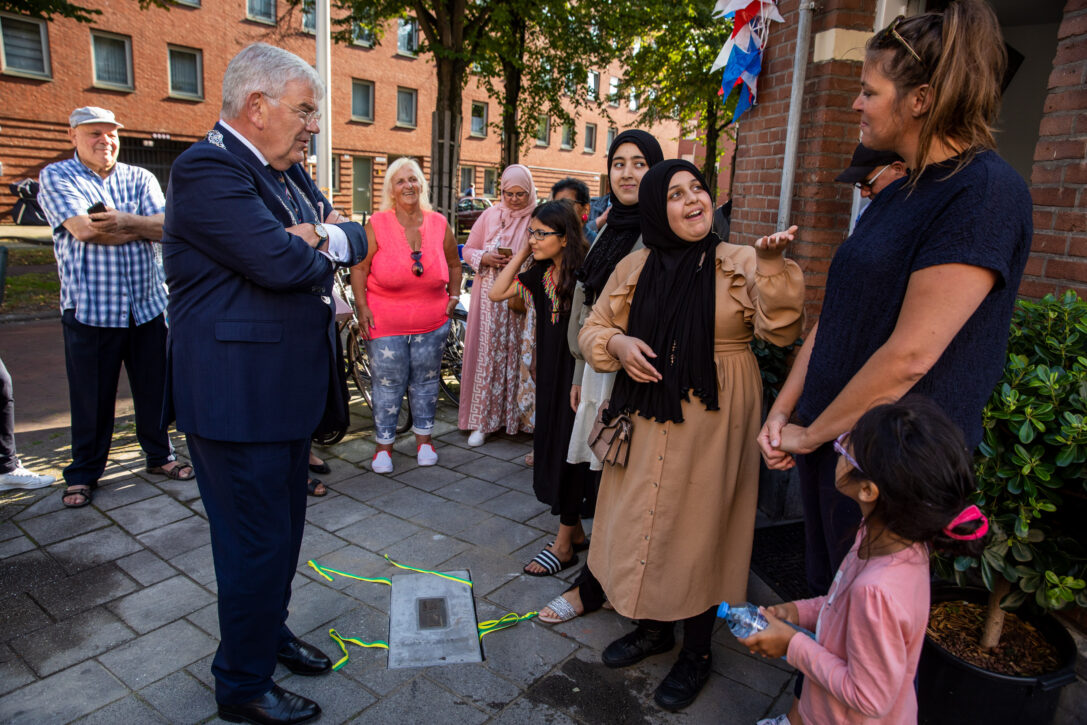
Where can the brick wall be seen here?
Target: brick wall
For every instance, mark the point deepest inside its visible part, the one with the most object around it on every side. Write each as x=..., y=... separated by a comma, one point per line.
x=1059, y=178
x=828, y=136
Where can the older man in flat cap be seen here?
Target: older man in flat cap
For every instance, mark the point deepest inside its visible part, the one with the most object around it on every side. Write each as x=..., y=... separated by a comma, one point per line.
x=106, y=217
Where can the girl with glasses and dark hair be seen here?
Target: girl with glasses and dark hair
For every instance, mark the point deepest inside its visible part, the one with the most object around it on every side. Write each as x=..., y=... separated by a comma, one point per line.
x=920, y=296
x=906, y=467
x=492, y=396
x=405, y=290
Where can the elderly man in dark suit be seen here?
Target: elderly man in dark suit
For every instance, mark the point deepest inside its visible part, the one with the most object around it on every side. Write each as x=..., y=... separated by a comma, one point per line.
x=249, y=249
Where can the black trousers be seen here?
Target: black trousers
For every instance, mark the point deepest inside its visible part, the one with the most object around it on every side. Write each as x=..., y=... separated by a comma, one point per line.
x=697, y=630
x=93, y=357
x=8, y=460
x=255, y=498
x=830, y=517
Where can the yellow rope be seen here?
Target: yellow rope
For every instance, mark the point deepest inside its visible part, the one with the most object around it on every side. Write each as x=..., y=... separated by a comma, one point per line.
x=353, y=640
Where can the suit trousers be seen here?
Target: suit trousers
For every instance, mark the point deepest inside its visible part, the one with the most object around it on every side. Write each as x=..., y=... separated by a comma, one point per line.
x=93, y=357
x=255, y=498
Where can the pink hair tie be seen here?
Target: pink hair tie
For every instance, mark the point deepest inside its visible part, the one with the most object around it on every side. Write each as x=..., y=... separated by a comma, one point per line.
x=970, y=513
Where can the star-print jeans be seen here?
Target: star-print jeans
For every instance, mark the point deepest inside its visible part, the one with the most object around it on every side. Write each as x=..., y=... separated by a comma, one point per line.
x=409, y=363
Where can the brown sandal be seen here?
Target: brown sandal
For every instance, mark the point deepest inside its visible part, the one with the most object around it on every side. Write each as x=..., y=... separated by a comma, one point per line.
x=86, y=492
x=175, y=472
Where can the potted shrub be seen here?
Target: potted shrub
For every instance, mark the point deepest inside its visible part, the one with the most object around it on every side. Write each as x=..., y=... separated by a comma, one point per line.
x=1032, y=485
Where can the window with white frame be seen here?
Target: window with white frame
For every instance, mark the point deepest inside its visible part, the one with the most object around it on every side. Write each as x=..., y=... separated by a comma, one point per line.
x=309, y=16
x=612, y=133
x=406, y=99
x=25, y=46
x=335, y=173
x=613, y=92
x=467, y=178
x=362, y=100
x=362, y=35
x=112, y=60
x=590, y=138
x=567, y=141
x=594, y=84
x=407, y=36
x=479, y=118
x=543, y=130
x=262, y=10
x=186, y=72
x=490, y=182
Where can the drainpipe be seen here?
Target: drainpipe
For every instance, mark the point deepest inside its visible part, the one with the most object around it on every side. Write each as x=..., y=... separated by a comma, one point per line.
x=796, y=100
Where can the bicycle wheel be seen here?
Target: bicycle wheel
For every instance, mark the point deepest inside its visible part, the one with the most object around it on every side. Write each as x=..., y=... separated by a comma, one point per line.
x=453, y=357
x=359, y=364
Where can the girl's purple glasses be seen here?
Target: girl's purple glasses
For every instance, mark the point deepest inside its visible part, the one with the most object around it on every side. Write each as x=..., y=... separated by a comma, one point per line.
x=839, y=446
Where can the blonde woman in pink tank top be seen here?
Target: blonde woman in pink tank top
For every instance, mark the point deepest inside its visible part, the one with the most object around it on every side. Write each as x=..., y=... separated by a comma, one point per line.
x=405, y=290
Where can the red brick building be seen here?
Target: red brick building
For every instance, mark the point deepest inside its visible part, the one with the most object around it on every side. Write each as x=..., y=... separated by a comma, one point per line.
x=1042, y=132
x=160, y=71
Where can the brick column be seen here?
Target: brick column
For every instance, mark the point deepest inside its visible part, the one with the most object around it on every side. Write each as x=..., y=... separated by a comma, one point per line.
x=1059, y=179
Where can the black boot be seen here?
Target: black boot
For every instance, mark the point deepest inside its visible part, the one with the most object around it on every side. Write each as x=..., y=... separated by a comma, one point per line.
x=684, y=681
x=639, y=644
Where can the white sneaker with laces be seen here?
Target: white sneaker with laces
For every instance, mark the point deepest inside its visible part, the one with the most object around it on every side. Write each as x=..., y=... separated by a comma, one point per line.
x=426, y=455
x=382, y=463
x=22, y=478
x=477, y=438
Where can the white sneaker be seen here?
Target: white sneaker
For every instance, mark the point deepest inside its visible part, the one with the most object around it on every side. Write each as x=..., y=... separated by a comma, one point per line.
x=477, y=438
x=22, y=478
x=382, y=463
x=426, y=455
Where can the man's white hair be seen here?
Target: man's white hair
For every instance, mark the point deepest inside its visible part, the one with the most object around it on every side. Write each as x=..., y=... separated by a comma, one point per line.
x=266, y=69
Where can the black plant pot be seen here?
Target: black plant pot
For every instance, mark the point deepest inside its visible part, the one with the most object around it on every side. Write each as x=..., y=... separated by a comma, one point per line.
x=953, y=691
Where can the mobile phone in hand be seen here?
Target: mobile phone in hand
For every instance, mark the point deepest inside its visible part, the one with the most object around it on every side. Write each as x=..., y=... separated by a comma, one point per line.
x=505, y=251
x=97, y=208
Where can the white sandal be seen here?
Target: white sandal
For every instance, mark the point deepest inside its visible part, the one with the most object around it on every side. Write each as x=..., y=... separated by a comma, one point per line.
x=562, y=609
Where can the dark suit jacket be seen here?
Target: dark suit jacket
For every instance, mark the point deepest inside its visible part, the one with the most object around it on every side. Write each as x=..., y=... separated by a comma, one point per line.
x=251, y=346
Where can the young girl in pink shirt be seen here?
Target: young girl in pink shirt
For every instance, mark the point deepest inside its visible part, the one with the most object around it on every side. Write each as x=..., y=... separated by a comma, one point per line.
x=907, y=467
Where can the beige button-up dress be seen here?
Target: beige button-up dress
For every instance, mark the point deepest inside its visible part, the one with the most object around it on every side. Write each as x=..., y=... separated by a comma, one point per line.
x=673, y=528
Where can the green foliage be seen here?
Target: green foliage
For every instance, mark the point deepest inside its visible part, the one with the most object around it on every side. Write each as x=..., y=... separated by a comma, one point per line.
x=50, y=9
x=1032, y=463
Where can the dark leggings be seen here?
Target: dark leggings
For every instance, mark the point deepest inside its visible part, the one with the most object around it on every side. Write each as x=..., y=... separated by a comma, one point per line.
x=577, y=482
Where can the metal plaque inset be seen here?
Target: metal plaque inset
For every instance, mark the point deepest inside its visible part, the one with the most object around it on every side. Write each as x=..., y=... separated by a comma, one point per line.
x=432, y=613
x=432, y=621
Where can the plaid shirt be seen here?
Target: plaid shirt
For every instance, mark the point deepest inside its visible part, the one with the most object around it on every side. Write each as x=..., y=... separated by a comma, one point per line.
x=104, y=284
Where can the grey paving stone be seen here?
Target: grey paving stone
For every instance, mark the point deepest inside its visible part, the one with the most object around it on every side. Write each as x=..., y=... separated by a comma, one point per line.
x=516, y=506
x=500, y=534
x=425, y=550
x=450, y=456
x=476, y=684
x=406, y=502
x=8, y=530
x=198, y=564
x=181, y=698
x=470, y=491
x=313, y=605
x=129, y=710
x=429, y=478
x=592, y=692
x=154, y=655
x=207, y=619
x=489, y=569
x=378, y=532
x=358, y=450
x=146, y=568
x=374, y=673
x=149, y=514
x=421, y=701
x=71, y=641
x=18, y=545
x=13, y=672
x=335, y=513
x=527, y=712
x=368, y=486
x=595, y=630
x=63, y=598
x=22, y=572
x=317, y=543
x=181, y=490
x=160, y=603
x=197, y=507
x=62, y=697
x=506, y=449
x=341, y=470
x=59, y=525
x=49, y=501
x=725, y=700
x=526, y=652
x=489, y=468
x=123, y=492
x=341, y=698
x=520, y=480
x=449, y=517
x=177, y=538
x=201, y=670
x=748, y=670
x=94, y=548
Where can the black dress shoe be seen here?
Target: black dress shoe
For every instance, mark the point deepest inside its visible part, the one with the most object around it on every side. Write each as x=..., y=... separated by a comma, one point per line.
x=303, y=659
x=639, y=644
x=275, y=707
x=684, y=681
x=320, y=467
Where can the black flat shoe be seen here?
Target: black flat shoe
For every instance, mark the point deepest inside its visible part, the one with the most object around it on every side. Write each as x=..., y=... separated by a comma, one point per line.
x=303, y=659
x=320, y=468
x=275, y=707
x=636, y=646
x=684, y=681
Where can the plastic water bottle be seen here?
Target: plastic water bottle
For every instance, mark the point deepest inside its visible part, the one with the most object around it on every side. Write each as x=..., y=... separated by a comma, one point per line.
x=744, y=620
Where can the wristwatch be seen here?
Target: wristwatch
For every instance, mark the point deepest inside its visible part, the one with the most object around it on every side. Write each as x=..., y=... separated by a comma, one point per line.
x=322, y=234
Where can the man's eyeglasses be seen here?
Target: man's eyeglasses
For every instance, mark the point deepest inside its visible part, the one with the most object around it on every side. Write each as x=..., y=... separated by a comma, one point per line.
x=416, y=265
x=539, y=234
x=839, y=446
x=867, y=183
x=892, y=29
x=305, y=116
x=518, y=195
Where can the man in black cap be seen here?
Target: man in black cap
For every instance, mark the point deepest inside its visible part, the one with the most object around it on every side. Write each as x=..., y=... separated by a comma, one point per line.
x=872, y=171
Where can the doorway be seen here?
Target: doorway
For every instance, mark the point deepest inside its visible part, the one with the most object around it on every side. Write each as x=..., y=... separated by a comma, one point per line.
x=362, y=185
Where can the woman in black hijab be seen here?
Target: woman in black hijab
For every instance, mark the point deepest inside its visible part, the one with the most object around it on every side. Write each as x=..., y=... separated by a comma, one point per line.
x=674, y=525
